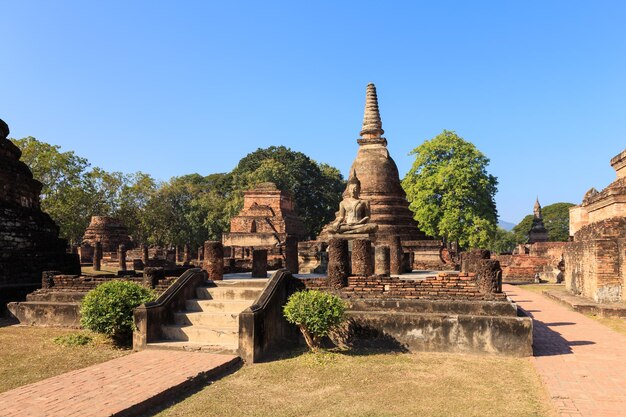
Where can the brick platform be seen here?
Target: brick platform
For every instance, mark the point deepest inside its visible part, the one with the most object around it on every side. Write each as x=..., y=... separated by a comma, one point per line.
x=121, y=387
x=581, y=362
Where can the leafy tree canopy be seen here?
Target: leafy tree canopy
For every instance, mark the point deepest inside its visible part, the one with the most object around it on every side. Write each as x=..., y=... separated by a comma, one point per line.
x=316, y=188
x=555, y=218
x=450, y=192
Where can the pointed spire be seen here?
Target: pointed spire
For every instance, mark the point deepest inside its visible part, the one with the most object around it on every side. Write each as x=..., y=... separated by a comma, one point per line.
x=537, y=209
x=372, y=125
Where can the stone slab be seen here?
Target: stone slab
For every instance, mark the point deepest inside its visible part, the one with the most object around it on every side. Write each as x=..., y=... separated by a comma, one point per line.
x=587, y=306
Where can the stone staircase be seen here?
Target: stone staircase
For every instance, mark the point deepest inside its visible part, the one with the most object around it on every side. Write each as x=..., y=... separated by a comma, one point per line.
x=210, y=322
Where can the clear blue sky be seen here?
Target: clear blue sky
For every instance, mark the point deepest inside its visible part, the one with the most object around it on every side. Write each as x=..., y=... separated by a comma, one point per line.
x=172, y=88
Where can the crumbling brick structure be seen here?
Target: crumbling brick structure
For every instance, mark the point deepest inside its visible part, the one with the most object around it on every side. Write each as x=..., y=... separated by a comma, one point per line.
x=109, y=231
x=266, y=220
x=29, y=238
x=595, y=262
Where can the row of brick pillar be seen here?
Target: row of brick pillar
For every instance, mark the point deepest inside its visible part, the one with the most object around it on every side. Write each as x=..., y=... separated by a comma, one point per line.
x=387, y=260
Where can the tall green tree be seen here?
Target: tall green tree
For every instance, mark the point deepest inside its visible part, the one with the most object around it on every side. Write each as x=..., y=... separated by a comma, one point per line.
x=555, y=218
x=502, y=241
x=450, y=191
x=316, y=188
x=64, y=195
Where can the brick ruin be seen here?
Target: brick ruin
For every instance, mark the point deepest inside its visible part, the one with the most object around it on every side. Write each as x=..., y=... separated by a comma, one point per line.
x=110, y=232
x=595, y=262
x=537, y=259
x=374, y=206
x=29, y=238
x=266, y=222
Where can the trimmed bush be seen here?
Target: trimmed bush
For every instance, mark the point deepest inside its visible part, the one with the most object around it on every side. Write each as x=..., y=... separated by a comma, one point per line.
x=108, y=308
x=316, y=313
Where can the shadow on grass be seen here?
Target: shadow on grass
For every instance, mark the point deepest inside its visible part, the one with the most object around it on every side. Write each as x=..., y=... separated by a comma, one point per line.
x=173, y=396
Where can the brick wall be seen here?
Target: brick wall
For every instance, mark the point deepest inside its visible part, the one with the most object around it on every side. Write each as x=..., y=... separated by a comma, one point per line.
x=444, y=286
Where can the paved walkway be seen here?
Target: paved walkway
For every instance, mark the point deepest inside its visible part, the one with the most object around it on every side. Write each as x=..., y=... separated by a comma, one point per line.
x=581, y=362
x=131, y=383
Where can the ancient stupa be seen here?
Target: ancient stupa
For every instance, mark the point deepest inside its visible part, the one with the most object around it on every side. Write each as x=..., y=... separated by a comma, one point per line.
x=375, y=175
x=29, y=238
x=109, y=231
x=538, y=231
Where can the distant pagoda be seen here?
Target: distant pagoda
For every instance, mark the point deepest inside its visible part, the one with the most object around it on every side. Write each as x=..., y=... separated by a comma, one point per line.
x=538, y=231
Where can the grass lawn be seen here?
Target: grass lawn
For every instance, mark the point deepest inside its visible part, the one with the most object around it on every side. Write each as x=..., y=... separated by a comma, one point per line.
x=374, y=384
x=103, y=271
x=29, y=354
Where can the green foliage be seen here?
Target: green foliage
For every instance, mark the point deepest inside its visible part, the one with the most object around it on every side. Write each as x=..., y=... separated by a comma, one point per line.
x=502, y=241
x=108, y=308
x=316, y=313
x=316, y=188
x=72, y=192
x=450, y=192
x=73, y=339
x=555, y=218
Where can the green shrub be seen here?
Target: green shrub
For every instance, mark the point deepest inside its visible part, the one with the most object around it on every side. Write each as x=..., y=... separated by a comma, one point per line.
x=73, y=339
x=316, y=313
x=108, y=308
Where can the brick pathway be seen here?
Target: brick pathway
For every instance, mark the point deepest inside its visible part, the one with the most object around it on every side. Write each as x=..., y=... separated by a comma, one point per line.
x=581, y=362
x=117, y=387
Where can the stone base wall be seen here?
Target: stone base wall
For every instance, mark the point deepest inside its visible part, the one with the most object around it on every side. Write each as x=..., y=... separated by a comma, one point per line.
x=444, y=286
x=595, y=263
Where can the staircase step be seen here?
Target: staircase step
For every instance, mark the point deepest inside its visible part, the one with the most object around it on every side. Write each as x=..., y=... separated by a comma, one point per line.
x=228, y=293
x=57, y=296
x=244, y=282
x=193, y=347
x=202, y=334
x=201, y=318
x=224, y=306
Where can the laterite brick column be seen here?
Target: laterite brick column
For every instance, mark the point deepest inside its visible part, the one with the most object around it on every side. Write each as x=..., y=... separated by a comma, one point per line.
x=97, y=256
x=395, y=256
x=362, y=257
x=200, y=255
x=259, y=263
x=214, y=260
x=186, y=255
x=291, y=254
x=144, y=255
x=338, y=263
x=121, y=257
x=381, y=261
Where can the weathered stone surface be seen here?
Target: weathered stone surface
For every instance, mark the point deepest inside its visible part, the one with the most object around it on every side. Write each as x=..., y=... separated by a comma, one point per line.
x=381, y=260
x=152, y=275
x=109, y=231
x=214, y=259
x=312, y=257
x=29, y=238
x=471, y=260
x=144, y=254
x=395, y=256
x=97, y=256
x=291, y=254
x=362, y=257
x=489, y=276
x=595, y=262
x=186, y=255
x=121, y=257
x=259, y=263
x=338, y=263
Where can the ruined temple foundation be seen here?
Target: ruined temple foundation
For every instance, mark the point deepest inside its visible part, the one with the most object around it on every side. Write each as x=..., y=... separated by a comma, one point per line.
x=595, y=262
x=267, y=221
x=29, y=238
x=109, y=231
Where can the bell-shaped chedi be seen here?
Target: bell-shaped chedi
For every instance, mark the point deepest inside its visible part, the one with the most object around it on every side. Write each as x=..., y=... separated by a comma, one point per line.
x=538, y=231
x=29, y=238
x=109, y=231
x=379, y=183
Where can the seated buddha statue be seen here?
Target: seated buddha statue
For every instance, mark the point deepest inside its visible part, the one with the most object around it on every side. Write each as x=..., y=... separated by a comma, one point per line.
x=354, y=214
